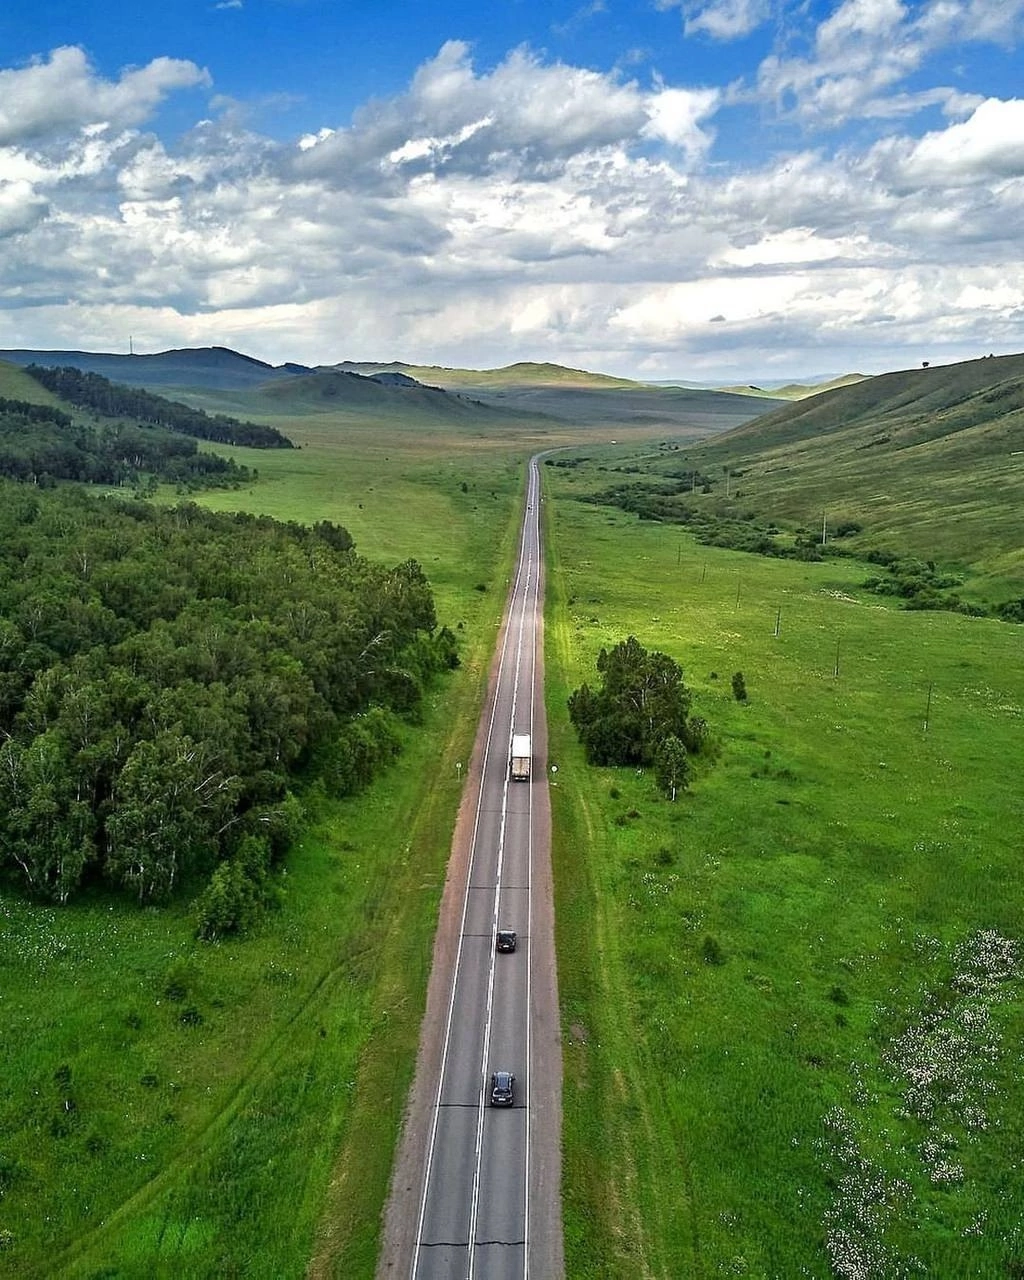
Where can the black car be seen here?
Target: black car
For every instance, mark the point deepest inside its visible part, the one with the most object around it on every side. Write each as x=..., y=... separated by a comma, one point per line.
x=506, y=940
x=503, y=1086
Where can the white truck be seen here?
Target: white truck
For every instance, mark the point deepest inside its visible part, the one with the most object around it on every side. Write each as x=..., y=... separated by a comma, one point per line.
x=521, y=757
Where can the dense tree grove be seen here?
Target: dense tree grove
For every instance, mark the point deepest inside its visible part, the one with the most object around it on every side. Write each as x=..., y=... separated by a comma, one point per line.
x=170, y=678
x=40, y=444
x=114, y=400
x=640, y=715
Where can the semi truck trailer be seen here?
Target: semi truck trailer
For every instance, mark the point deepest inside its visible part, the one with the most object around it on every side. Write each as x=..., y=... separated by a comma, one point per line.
x=521, y=757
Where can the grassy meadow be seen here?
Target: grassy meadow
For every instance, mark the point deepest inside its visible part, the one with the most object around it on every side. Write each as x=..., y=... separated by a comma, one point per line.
x=792, y=1000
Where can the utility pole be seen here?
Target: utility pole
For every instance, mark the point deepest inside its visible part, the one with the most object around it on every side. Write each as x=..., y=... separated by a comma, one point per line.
x=928, y=707
x=778, y=620
x=824, y=527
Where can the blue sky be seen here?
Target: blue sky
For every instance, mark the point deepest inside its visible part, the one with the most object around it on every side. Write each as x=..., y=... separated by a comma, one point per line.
x=702, y=189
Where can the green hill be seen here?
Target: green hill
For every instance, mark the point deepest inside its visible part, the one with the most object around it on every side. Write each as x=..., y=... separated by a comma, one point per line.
x=927, y=462
x=799, y=390
x=343, y=393
x=906, y=406
x=16, y=384
x=591, y=399
x=223, y=381
x=523, y=374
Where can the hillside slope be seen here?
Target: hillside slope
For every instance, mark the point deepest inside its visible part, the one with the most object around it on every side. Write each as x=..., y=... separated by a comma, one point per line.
x=914, y=403
x=924, y=461
x=335, y=391
x=926, y=464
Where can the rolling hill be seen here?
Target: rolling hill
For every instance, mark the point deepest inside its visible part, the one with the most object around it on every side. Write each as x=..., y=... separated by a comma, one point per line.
x=908, y=406
x=210, y=367
x=390, y=395
x=799, y=390
x=592, y=399
x=929, y=461
x=522, y=374
x=220, y=380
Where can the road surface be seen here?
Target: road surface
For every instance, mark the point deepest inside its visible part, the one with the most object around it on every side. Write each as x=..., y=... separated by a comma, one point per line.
x=475, y=1194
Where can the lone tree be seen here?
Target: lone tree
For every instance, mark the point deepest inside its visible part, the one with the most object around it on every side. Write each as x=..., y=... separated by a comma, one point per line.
x=672, y=766
x=642, y=702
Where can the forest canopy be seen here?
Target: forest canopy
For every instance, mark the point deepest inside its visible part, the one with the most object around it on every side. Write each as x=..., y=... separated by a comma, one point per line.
x=113, y=400
x=41, y=444
x=170, y=678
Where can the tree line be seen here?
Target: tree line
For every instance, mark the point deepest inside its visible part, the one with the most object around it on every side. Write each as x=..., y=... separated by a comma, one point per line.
x=172, y=679
x=114, y=400
x=40, y=444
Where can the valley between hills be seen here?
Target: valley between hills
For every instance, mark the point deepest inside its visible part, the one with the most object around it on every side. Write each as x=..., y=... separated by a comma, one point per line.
x=790, y=996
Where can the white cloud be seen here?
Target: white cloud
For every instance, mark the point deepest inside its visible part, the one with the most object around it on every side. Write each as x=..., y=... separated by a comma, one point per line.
x=524, y=114
x=675, y=115
x=865, y=48
x=64, y=94
x=21, y=207
x=533, y=209
x=721, y=19
x=985, y=148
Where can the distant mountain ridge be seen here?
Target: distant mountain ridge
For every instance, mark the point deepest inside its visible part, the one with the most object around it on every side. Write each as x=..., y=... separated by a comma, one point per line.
x=217, y=368
x=523, y=373
x=800, y=390
x=219, y=378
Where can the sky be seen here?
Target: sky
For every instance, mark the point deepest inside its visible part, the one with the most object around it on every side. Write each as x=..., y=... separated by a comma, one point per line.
x=708, y=190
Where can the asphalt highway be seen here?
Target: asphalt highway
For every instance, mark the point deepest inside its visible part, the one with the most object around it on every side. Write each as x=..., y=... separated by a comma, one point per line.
x=484, y=1204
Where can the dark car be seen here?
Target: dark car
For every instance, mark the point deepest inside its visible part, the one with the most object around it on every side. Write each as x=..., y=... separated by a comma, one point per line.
x=506, y=940
x=503, y=1086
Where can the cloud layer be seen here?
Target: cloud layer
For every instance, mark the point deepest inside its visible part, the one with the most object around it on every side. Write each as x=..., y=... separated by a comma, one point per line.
x=538, y=209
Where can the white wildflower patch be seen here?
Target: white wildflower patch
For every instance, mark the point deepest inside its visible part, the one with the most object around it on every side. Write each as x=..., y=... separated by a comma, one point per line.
x=942, y=1067
x=866, y=1198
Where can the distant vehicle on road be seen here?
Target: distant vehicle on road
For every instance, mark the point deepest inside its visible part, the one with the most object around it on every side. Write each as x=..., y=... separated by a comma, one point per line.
x=503, y=1087
x=522, y=755
x=506, y=940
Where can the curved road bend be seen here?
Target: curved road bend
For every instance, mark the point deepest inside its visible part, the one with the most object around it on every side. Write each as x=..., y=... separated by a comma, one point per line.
x=476, y=1189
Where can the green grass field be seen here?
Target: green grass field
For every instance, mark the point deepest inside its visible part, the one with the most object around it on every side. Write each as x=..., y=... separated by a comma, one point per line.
x=753, y=977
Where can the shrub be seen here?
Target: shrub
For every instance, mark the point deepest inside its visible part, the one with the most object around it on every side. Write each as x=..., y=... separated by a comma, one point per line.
x=739, y=687
x=239, y=891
